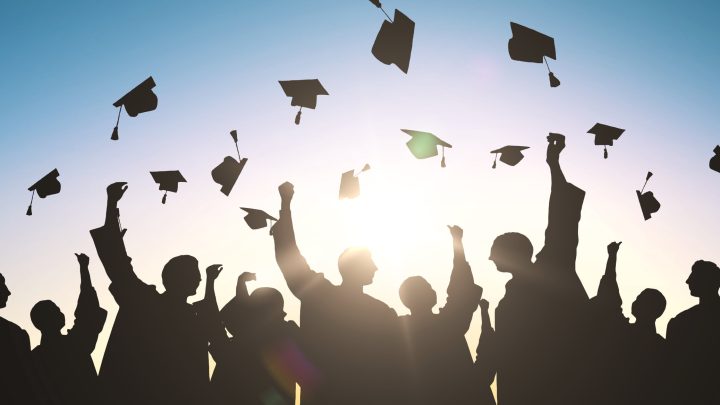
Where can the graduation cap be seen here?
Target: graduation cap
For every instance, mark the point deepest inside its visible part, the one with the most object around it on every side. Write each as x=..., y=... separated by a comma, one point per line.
x=510, y=155
x=304, y=93
x=605, y=135
x=648, y=203
x=424, y=145
x=44, y=187
x=139, y=100
x=715, y=161
x=227, y=172
x=257, y=219
x=528, y=45
x=168, y=181
x=394, y=41
x=350, y=183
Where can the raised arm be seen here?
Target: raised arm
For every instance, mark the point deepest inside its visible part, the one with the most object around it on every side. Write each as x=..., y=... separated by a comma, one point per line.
x=208, y=310
x=295, y=269
x=89, y=316
x=485, y=354
x=608, y=295
x=463, y=293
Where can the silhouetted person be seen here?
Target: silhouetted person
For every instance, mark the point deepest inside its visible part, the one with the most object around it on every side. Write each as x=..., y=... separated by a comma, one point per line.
x=18, y=379
x=256, y=365
x=694, y=339
x=485, y=355
x=157, y=351
x=351, y=339
x=63, y=361
x=537, y=321
x=439, y=365
x=630, y=361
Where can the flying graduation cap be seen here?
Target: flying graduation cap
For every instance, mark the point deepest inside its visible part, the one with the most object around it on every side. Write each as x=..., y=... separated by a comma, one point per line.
x=350, y=183
x=605, y=135
x=139, y=100
x=715, y=161
x=510, y=155
x=304, y=94
x=44, y=187
x=528, y=45
x=648, y=203
x=257, y=219
x=168, y=181
x=424, y=145
x=394, y=41
x=226, y=173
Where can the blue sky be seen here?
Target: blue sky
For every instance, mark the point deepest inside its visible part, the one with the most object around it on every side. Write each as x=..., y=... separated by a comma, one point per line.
x=648, y=67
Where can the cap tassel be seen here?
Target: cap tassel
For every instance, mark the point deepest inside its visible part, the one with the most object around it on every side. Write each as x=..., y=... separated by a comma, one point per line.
x=29, y=210
x=115, y=135
x=164, y=199
x=495, y=162
x=606, y=154
x=297, y=117
x=646, y=181
x=442, y=161
x=554, y=81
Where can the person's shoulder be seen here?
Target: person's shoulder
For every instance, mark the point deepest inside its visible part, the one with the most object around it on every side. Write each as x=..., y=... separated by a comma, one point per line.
x=380, y=305
x=686, y=315
x=12, y=328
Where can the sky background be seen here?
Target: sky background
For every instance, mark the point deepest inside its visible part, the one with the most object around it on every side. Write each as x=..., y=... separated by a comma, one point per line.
x=649, y=67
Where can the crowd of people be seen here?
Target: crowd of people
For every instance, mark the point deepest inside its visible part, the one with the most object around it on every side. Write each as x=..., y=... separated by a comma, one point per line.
x=551, y=344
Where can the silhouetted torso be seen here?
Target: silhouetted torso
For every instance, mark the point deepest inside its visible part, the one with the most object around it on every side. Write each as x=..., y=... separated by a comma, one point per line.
x=64, y=364
x=18, y=382
x=694, y=341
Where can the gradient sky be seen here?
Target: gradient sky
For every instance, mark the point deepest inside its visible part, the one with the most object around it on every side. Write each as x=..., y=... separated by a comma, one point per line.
x=646, y=66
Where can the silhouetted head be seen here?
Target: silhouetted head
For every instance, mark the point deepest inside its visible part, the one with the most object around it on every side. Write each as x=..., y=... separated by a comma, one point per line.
x=704, y=279
x=4, y=292
x=417, y=295
x=512, y=252
x=181, y=276
x=47, y=317
x=649, y=305
x=356, y=266
x=267, y=304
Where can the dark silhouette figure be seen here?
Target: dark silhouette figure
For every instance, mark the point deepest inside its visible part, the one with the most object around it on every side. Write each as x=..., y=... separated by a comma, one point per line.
x=257, y=365
x=630, y=363
x=694, y=339
x=485, y=356
x=394, y=41
x=648, y=203
x=528, y=45
x=605, y=135
x=439, y=365
x=157, y=351
x=350, y=338
x=537, y=322
x=226, y=173
x=715, y=160
x=510, y=155
x=63, y=361
x=44, y=187
x=138, y=100
x=18, y=380
x=303, y=93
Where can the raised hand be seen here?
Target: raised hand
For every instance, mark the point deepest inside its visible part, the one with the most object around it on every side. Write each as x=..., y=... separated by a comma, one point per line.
x=246, y=276
x=115, y=191
x=82, y=259
x=556, y=144
x=484, y=305
x=456, y=232
x=613, y=247
x=213, y=272
x=287, y=190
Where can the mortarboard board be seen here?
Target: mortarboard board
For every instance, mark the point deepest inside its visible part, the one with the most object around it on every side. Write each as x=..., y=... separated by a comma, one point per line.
x=138, y=100
x=424, y=145
x=257, y=219
x=394, y=41
x=715, y=161
x=44, y=187
x=528, y=45
x=510, y=155
x=227, y=172
x=350, y=183
x=648, y=203
x=304, y=93
x=605, y=135
x=168, y=181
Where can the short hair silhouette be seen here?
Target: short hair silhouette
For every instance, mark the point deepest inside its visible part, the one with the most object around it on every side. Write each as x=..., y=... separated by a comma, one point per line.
x=47, y=317
x=704, y=279
x=417, y=294
x=511, y=251
x=4, y=292
x=356, y=265
x=181, y=274
x=649, y=305
x=268, y=303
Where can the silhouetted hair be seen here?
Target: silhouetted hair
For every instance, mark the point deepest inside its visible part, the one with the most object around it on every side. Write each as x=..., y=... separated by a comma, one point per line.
x=43, y=316
x=350, y=257
x=179, y=269
x=709, y=270
x=267, y=301
x=650, y=302
x=416, y=292
x=513, y=244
